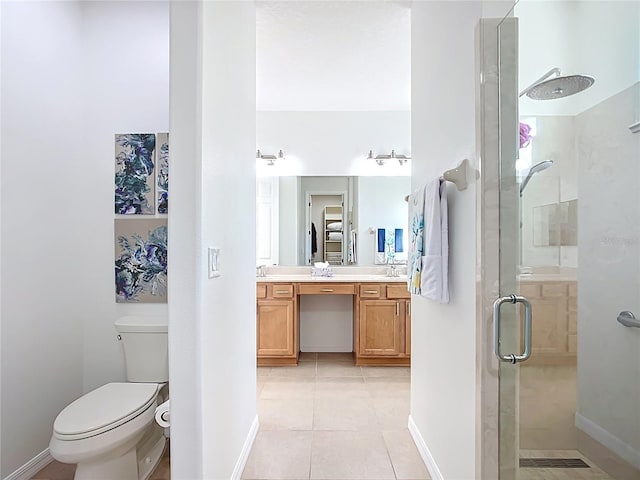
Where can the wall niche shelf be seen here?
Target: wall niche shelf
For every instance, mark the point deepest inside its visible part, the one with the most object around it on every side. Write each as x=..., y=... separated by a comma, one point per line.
x=333, y=235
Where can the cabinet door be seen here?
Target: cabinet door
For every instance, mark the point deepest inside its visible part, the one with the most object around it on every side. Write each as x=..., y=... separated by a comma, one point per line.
x=380, y=328
x=275, y=335
x=407, y=310
x=550, y=325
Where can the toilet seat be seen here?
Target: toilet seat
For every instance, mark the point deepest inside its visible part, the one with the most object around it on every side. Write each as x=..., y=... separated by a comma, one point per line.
x=104, y=409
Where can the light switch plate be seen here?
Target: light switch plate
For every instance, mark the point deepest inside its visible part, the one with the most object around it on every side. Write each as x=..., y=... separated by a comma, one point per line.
x=214, y=262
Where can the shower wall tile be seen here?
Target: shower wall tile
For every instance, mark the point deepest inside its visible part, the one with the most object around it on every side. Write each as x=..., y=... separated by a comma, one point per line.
x=554, y=140
x=609, y=269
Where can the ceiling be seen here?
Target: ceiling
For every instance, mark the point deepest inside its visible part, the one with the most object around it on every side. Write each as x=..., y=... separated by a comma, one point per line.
x=333, y=55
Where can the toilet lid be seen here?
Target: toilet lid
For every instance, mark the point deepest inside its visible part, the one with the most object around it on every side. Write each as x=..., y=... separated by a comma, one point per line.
x=105, y=408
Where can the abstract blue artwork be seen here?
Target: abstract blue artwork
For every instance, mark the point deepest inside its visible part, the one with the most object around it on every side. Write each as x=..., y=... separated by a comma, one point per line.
x=162, y=143
x=389, y=246
x=141, y=260
x=134, y=178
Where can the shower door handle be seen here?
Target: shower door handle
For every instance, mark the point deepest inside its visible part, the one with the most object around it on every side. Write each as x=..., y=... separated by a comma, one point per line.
x=628, y=319
x=512, y=357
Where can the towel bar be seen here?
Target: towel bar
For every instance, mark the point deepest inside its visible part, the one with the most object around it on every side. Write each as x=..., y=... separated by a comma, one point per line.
x=458, y=175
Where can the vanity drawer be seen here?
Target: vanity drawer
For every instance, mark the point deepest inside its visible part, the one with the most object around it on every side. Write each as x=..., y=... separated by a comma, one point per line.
x=326, y=289
x=370, y=290
x=278, y=290
x=530, y=290
x=554, y=290
x=261, y=290
x=398, y=291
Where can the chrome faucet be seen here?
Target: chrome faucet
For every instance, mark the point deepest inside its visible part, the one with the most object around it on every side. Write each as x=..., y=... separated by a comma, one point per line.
x=393, y=271
x=260, y=271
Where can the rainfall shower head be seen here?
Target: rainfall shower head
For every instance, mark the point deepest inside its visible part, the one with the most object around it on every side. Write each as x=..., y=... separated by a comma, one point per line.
x=538, y=167
x=557, y=87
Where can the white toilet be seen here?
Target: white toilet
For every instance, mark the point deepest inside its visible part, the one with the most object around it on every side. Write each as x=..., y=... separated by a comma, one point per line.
x=111, y=432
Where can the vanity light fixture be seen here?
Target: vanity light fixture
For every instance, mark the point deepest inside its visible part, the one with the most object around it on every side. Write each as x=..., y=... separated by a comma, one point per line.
x=270, y=159
x=381, y=159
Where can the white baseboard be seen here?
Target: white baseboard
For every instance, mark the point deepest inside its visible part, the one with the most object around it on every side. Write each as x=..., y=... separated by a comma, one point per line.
x=246, y=450
x=33, y=466
x=613, y=443
x=427, y=458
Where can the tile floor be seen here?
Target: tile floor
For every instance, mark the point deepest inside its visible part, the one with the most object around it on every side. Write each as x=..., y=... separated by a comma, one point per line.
x=328, y=419
x=548, y=403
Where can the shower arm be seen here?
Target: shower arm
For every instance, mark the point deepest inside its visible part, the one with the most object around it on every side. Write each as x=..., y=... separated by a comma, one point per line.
x=553, y=71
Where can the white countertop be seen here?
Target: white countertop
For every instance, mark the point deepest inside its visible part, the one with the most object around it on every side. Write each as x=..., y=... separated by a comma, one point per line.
x=335, y=279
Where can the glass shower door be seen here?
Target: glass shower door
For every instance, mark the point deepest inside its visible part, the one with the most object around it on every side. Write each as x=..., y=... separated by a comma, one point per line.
x=569, y=208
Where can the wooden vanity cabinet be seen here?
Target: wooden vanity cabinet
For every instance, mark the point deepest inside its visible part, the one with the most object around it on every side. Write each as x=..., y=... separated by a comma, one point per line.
x=382, y=325
x=277, y=337
x=554, y=321
x=381, y=321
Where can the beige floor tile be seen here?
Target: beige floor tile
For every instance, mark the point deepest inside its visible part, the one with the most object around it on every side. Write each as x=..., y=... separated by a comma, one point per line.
x=286, y=414
x=56, y=471
x=64, y=471
x=304, y=369
x=279, y=455
x=548, y=402
x=405, y=458
x=398, y=387
x=338, y=370
x=341, y=387
x=386, y=371
x=162, y=471
x=263, y=371
x=259, y=384
x=344, y=414
x=288, y=387
x=392, y=413
x=350, y=456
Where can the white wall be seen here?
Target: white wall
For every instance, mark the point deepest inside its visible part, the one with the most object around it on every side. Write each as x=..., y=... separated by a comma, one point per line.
x=375, y=211
x=443, y=350
x=44, y=202
x=228, y=309
x=68, y=87
x=125, y=77
x=185, y=348
x=333, y=143
x=290, y=248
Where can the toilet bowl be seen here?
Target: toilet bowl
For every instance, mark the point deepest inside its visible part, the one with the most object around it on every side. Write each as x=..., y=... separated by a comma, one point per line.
x=111, y=432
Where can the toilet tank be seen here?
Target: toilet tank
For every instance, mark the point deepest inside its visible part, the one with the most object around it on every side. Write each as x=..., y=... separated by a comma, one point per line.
x=146, y=351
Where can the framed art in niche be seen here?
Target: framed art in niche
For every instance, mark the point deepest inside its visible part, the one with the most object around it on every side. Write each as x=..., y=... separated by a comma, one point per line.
x=141, y=260
x=162, y=184
x=135, y=176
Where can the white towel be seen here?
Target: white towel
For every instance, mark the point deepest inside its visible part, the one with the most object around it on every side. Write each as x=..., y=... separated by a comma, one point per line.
x=353, y=251
x=416, y=237
x=335, y=236
x=434, y=277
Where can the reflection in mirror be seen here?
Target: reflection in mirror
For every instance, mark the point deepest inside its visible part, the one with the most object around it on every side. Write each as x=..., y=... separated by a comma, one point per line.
x=344, y=212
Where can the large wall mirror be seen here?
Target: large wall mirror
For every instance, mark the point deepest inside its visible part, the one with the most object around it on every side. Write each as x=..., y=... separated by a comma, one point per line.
x=335, y=219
